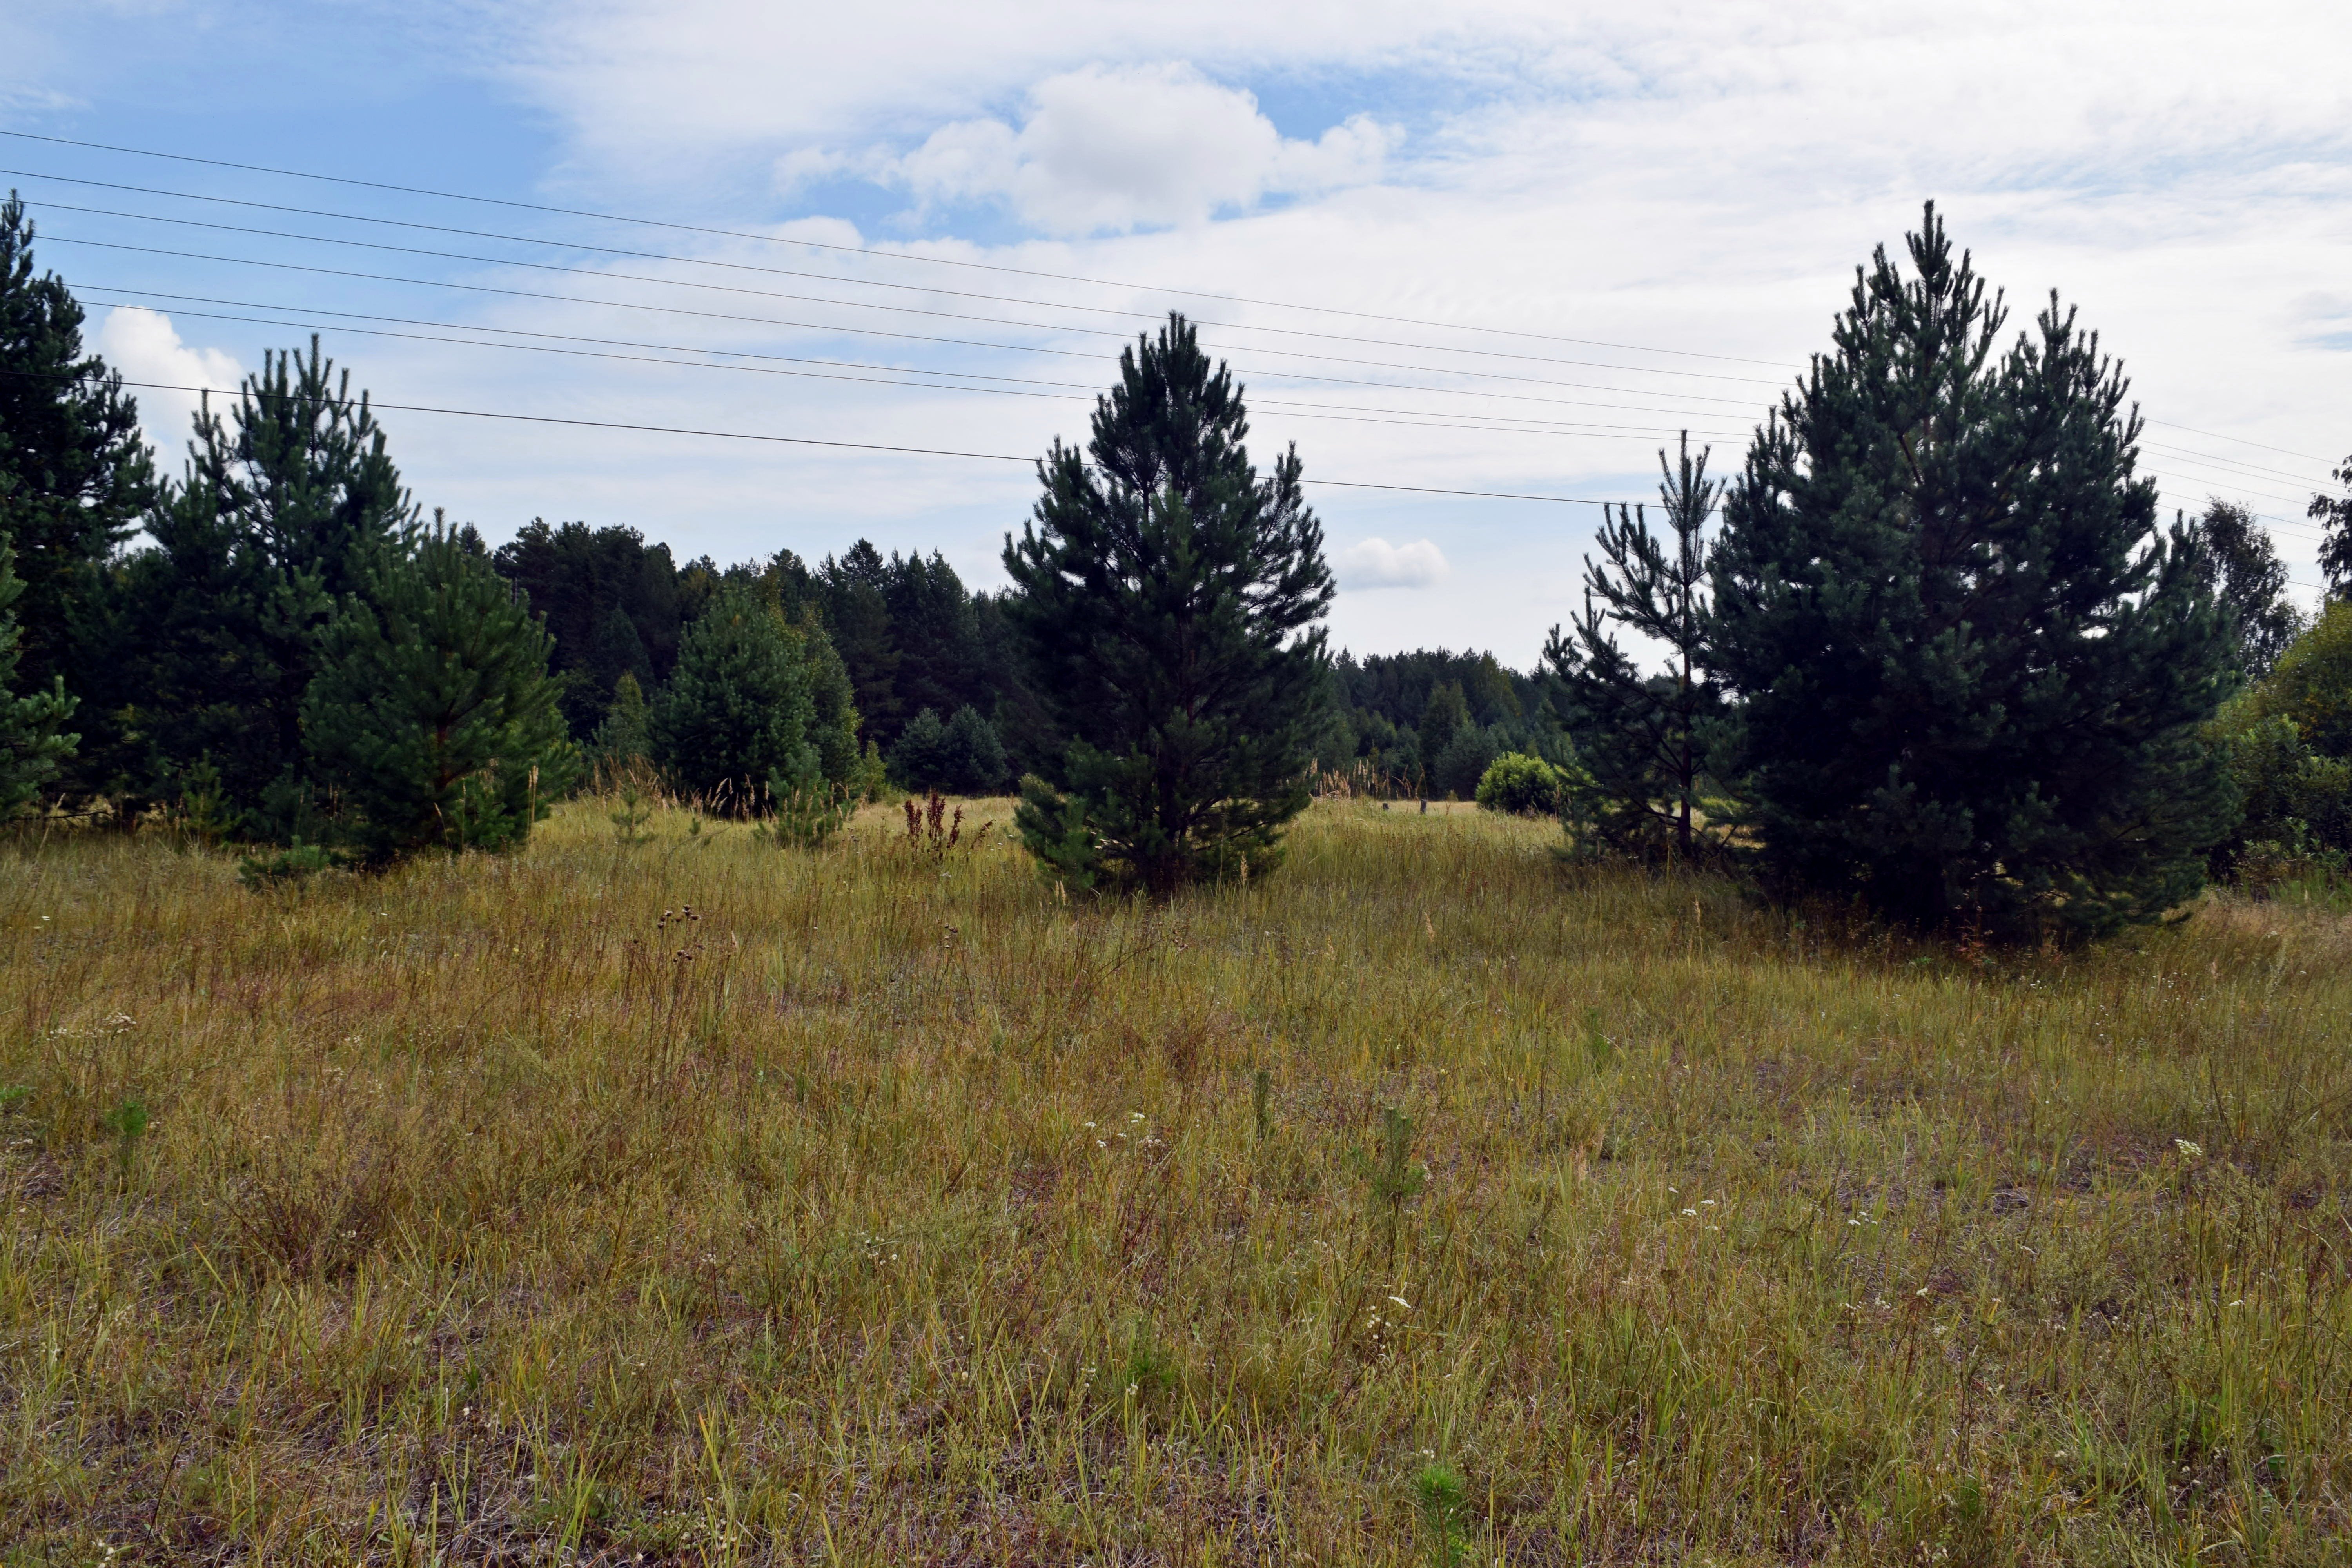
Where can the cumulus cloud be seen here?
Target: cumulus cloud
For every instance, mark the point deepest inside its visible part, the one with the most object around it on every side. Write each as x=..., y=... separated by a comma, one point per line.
x=1377, y=563
x=1109, y=150
x=146, y=347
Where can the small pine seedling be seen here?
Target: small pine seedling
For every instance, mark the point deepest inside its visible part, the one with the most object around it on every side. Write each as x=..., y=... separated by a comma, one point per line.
x=1596, y=1043
x=1440, y=1493
x=127, y=1121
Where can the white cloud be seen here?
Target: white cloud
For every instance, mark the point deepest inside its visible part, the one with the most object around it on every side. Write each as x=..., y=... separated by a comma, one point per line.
x=1111, y=148
x=146, y=347
x=1377, y=563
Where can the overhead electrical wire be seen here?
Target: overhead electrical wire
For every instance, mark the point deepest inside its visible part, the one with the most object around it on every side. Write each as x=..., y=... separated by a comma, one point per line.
x=1503, y=425
x=930, y=289
x=817, y=441
x=868, y=250
x=2230, y=469
x=1408, y=418
x=859, y=332
x=603, y=276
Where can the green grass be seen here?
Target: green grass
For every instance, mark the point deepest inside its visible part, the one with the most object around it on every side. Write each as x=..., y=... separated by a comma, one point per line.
x=884, y=1208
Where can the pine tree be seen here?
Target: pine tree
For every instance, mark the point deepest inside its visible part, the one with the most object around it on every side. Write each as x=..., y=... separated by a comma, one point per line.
x=737, y=712
x=975, y=757
x=1644, y=746
x=2241, y=568
x=33, y=742
x=1974, y=673
x=433, y=718
x=625, y=735
x=74, y=472
x=285, y=511
x=1168, y=597
x=833, y=704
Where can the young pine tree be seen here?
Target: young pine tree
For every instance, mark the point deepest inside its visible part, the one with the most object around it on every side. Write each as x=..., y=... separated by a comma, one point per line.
x=1166, y=593
x=433, y=718
x=737, y=714
x=625, y=735
x=1973, y=672
x=33, y=742
x=285, y=511
x=74, y=472
x=1644, y=746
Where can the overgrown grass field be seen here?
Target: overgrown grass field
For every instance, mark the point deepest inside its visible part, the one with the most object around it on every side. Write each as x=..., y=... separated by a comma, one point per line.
x=1429, y=1201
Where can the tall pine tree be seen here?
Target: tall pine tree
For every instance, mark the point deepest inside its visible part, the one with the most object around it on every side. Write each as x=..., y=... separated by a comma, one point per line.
x=1973, y=671
x=1645, y=736
x=74, y=470
x=1167, y=596
x=284, y=512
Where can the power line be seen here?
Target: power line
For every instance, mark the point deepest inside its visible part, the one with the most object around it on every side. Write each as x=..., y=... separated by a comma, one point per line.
x=1411, y=418
x=2216, y=436
x=872, y=331
x=749, y=267
x=863, y=250
x=807, y=440
x=843, y=304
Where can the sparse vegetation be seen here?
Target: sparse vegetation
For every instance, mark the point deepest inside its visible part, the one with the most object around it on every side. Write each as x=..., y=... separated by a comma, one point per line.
x=1431, y=1202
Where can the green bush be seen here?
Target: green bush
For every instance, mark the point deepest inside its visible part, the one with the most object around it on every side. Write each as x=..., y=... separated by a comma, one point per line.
x=2288, y=742
x=1521, y=785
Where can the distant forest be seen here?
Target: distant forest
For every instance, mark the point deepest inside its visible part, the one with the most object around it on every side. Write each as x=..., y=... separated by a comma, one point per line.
x=914, y=640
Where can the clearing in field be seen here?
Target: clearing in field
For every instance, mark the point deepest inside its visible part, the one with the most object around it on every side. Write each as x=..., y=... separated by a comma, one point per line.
x=1426, y=1201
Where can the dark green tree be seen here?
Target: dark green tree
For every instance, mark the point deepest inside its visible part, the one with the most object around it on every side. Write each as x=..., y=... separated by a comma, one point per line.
x=1447, y=711
x=1167, y=596
x=75, y=473
x=1973, y=672
x=285, y=511
x=737, y=711
x=433, y=721
x=610, y=601
x=625, y=732
x=1644, y=735
x=33, y=740
x=2334, y=515
x=2242, y=568
x=962, y=756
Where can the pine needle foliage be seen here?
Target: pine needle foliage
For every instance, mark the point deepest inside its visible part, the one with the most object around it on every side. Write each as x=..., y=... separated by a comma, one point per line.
x=74, y=470
x=1168, y=597
x=1645, y=749
x=737, y=710
x=434, y=720
x=32, y=741
x=286, y=510
x=1973, y=671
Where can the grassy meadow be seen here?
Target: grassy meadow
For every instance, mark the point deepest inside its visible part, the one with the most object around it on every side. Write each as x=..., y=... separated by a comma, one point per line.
x=1428, y=1201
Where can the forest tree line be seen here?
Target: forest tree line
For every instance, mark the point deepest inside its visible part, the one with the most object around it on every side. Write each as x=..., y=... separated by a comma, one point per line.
x=1931, y=647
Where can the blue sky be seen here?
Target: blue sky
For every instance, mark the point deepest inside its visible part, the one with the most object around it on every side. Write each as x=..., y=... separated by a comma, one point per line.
x=1684, y=180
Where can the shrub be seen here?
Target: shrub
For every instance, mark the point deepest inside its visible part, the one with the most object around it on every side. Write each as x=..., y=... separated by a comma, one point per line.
x=1521, y=785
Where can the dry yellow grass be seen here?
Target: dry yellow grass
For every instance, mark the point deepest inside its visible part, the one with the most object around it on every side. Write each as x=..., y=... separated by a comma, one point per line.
x=704, y=1201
